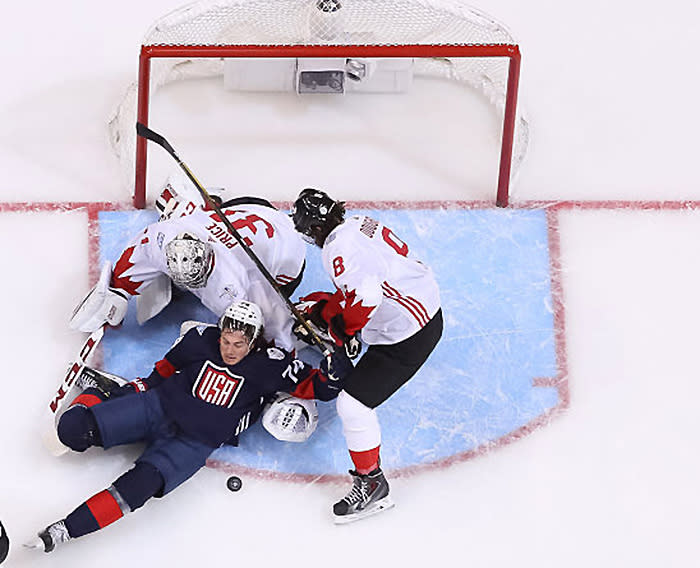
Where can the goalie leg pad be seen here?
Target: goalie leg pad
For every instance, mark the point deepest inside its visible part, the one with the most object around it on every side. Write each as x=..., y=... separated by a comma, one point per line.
x=153, y=298
x=290, y=419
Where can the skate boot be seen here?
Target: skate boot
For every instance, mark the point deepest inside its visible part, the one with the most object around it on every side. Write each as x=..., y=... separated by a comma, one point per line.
x=369, y=495
x=104, y=382
x=53, y=535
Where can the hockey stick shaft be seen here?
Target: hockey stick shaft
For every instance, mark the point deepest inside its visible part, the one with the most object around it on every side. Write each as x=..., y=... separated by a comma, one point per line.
x=145, y=132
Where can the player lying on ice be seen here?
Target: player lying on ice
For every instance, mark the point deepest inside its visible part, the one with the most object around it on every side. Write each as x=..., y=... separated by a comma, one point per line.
x=190, y=247
x=390, y=300
x=210, y=387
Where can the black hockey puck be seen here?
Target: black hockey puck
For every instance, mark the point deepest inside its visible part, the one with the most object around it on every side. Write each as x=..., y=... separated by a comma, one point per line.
x=4, y=544
x=234, y=483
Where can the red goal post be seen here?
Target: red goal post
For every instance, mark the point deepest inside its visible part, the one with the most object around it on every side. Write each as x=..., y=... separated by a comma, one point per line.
x=451, y=40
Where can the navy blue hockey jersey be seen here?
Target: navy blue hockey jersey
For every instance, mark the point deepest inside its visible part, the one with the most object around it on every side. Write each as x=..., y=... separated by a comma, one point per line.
x=214, y=402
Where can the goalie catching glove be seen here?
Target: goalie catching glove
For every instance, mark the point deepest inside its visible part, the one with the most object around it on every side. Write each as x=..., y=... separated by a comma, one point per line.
x=323, y=313
x=292, y=419
x=289, y=418
x=101, y=305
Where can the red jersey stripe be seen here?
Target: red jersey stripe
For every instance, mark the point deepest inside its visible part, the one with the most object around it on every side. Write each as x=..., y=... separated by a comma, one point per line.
x=418, y=305
x=414, y=307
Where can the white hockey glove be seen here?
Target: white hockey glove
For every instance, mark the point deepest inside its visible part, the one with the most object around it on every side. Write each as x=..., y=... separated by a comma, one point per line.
x=179, y=197
x=101, y=305
x=290, y=419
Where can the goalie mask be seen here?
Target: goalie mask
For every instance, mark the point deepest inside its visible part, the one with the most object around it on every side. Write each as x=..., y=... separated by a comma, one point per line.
x=190, y=260
x=315, y=214
x=290, y=419
x=243, y=316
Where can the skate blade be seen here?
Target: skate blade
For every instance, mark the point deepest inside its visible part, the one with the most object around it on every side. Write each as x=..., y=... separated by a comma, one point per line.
x=34, y=544
x=378, y=507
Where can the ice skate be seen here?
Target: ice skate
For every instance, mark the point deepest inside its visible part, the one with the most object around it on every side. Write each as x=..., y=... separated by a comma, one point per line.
x=53, y=535
x=369, y=495
x=100, y=380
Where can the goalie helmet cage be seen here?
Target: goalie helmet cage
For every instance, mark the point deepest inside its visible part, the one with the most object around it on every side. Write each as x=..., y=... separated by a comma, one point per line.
x=444, y=38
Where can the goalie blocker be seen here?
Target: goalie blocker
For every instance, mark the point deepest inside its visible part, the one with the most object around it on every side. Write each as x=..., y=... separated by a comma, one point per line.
x=101, y=305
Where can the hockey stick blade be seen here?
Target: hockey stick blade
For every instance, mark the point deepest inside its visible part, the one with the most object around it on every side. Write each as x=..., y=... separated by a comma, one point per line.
x=145, y=132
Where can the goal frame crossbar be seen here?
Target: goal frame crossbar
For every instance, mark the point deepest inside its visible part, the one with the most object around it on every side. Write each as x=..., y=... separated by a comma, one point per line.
x=510, y=51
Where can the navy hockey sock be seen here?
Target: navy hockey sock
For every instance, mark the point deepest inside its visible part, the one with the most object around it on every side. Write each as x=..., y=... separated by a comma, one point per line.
x=127, y=494
x=139, y=484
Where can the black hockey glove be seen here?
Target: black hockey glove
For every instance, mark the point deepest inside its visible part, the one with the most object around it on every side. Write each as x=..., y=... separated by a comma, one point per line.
x=350, y=343
x=120, y=391
x=137, y=386
x=336, y=368
x=353, y=347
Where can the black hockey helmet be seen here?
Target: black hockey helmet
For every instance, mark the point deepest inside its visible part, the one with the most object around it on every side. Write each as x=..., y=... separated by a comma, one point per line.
x=316, y=214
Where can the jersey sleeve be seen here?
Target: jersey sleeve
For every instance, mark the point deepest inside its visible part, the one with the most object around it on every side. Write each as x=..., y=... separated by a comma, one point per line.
x=137, y=265
x=301, y=379
x=185, y=349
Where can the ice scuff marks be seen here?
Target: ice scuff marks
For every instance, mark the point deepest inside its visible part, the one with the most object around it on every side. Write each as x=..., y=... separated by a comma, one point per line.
x=482, y=386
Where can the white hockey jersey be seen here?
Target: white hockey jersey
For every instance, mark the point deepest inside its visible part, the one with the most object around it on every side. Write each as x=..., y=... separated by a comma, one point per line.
x=387, y=292
x=269, y=233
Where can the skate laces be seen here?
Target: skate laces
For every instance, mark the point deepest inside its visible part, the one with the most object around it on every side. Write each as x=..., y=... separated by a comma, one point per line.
x=58, y=532
x=359, y=492
x=87, y=382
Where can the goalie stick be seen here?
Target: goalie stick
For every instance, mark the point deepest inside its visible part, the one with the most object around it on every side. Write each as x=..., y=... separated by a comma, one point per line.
x=145, y=132
x=49, y=435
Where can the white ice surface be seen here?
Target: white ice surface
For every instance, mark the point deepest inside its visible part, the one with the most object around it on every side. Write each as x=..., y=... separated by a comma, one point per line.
x=609, y=91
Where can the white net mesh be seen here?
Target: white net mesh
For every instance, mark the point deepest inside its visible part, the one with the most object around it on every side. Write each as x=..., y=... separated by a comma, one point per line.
x=313, y=22
x=324, y=22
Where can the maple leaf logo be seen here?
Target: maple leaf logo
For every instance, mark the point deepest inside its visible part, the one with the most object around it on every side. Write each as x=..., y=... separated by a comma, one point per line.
x=124, y=282
x=355, y=314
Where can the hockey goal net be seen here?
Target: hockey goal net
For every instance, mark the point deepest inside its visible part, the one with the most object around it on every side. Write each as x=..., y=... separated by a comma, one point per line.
x=326, y=46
